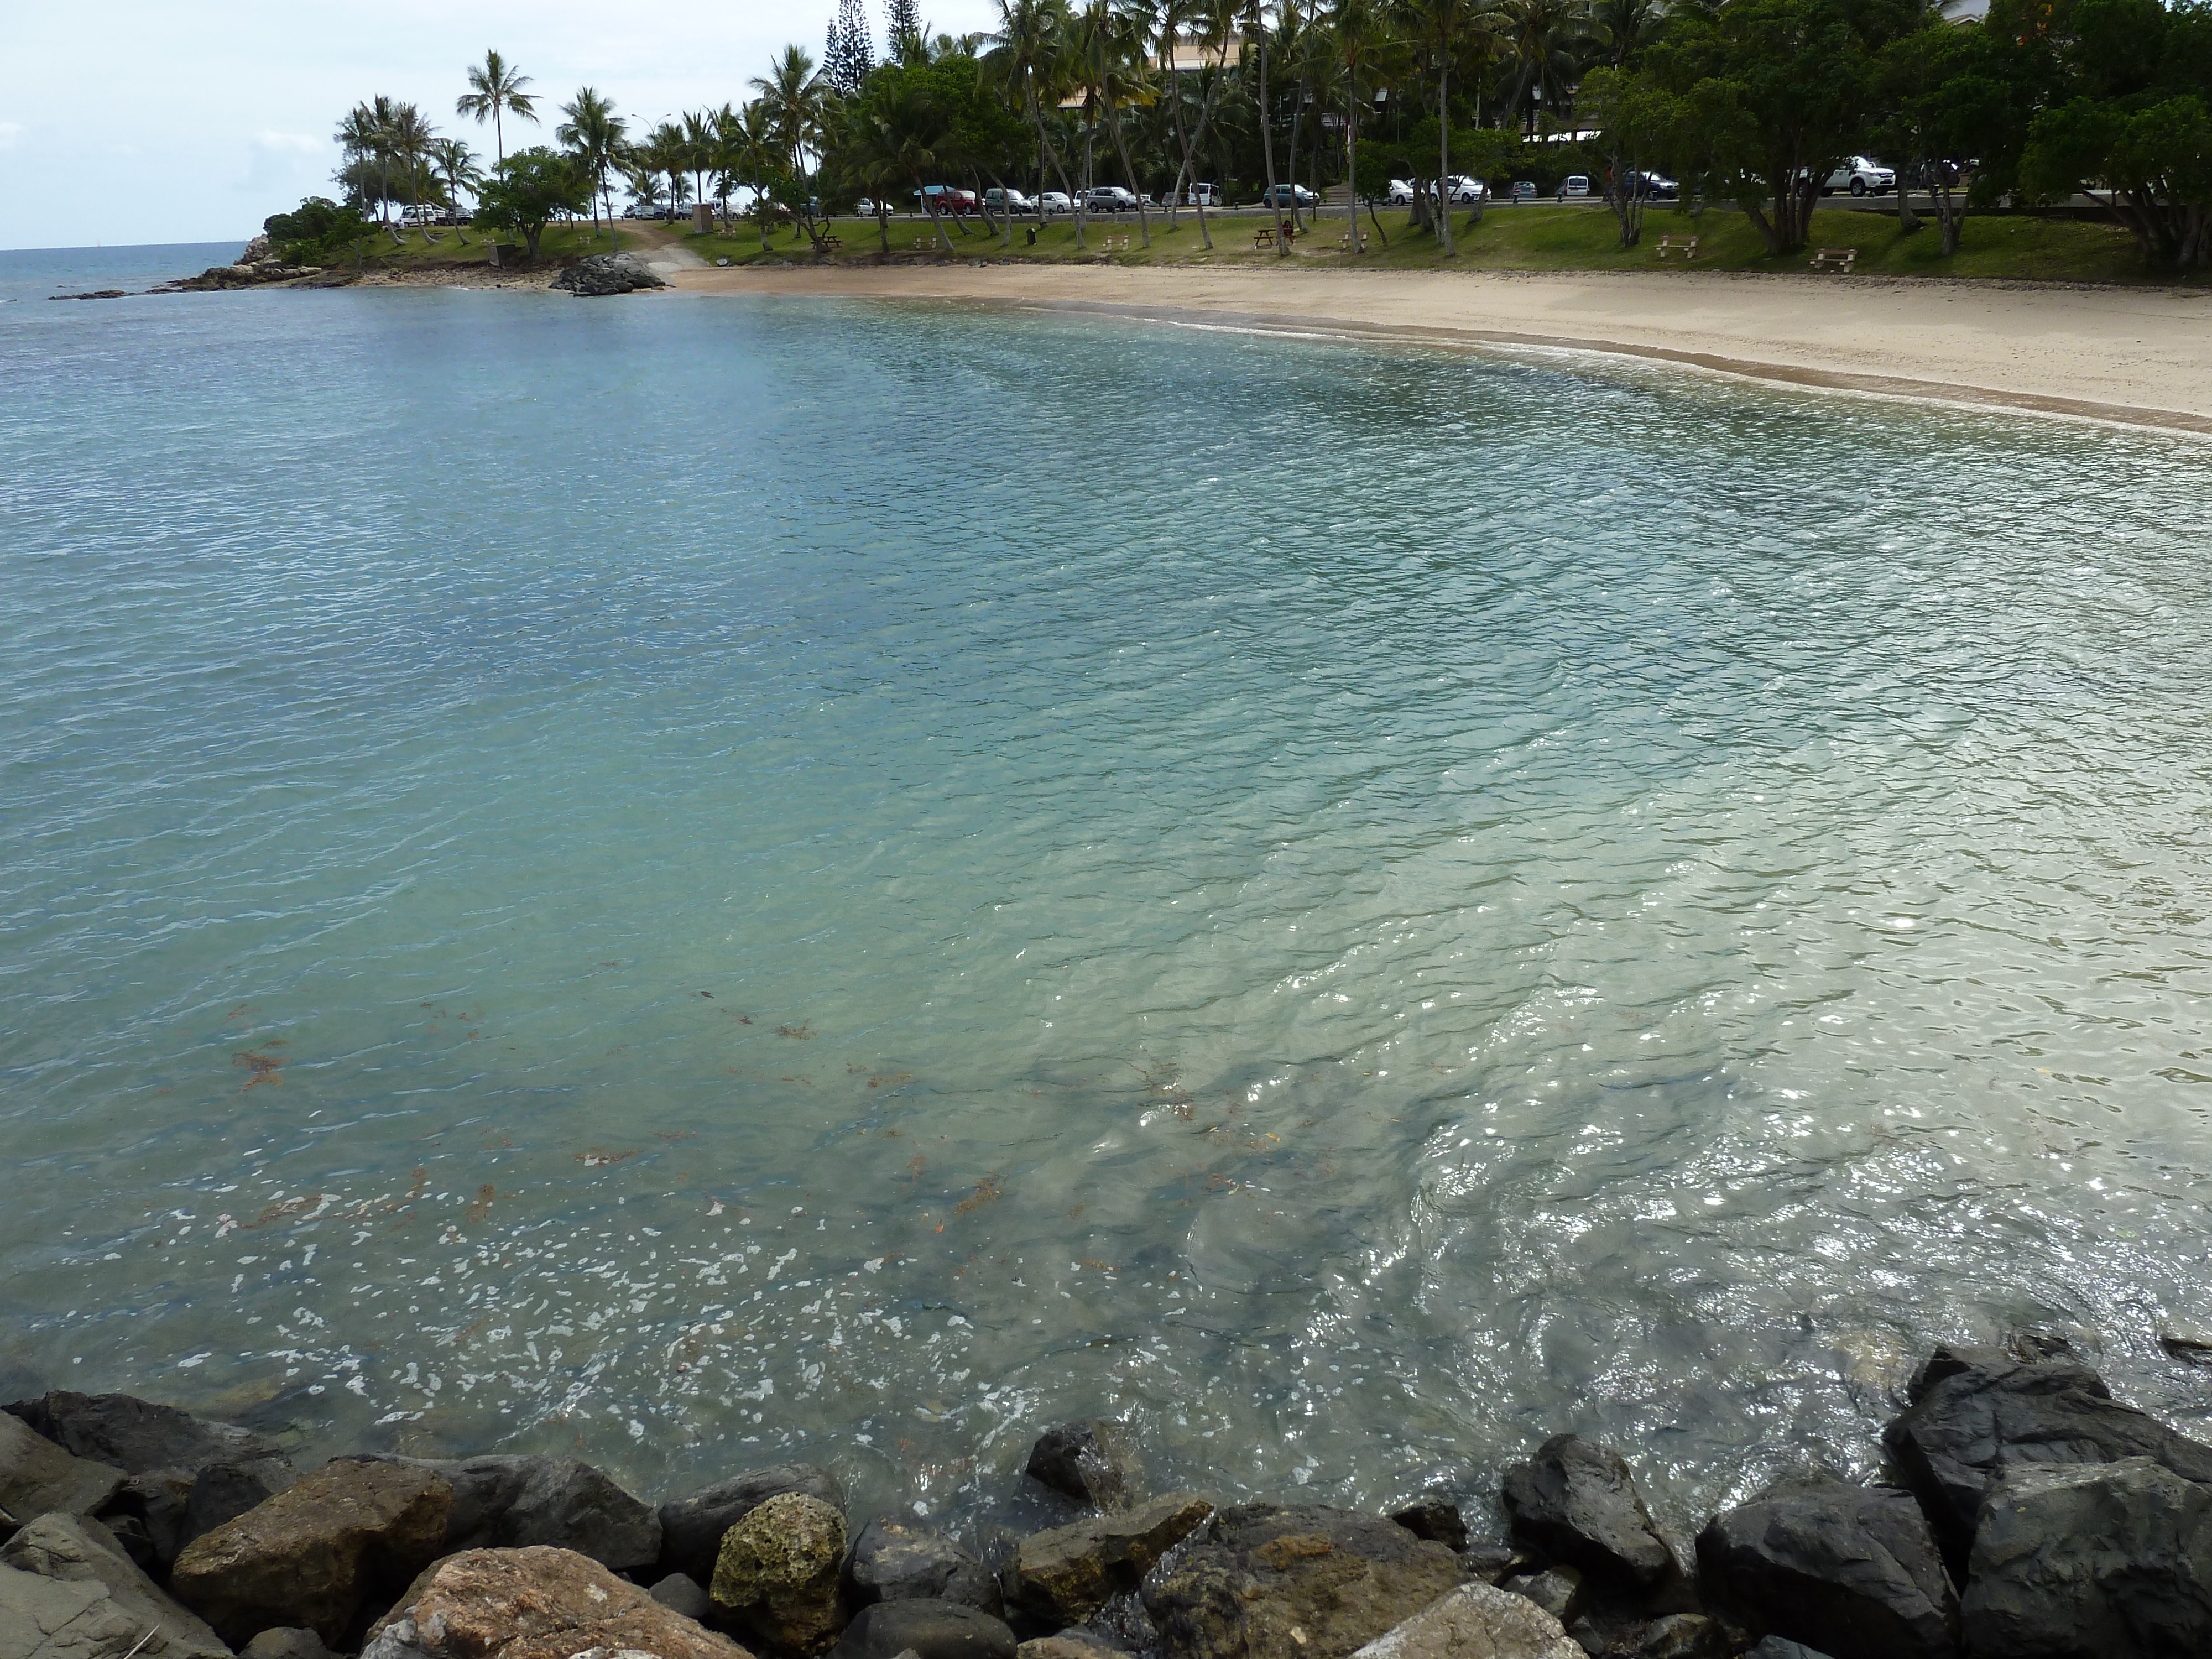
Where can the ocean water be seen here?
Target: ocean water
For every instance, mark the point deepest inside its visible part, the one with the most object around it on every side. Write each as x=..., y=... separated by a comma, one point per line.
x=715, y=879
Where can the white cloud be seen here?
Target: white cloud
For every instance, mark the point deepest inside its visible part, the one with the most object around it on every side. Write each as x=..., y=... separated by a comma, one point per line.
x=9, y=132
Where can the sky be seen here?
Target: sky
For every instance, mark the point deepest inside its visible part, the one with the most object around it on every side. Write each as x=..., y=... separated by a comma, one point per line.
x=135, y=121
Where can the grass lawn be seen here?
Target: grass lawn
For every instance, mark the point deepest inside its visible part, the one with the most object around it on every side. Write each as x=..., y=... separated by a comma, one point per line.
x=1538, y=237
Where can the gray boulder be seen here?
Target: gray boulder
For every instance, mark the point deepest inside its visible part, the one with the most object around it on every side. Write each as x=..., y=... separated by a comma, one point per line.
x=147, y=1516
x=1558, y=1590
x=930, y=1629
x=892, y=1561
x=778, y=1573
x=1265, y=1581
x=67, y=1549
x=686, y=1595
x=513, y=1502
x=1092, y=1462
x=285, y=1644
x=1073, y=1642
x=600, y=274
x=2096, y=1561
x=135, y=1435
x=1776, y=1647
x=1575, y=1501
x=1475, y=1621
x=691, y=1527
x=1678, y=1635
x=224, y=1490
x=1854, y=1568
x=1977, y=1411
x=1435, y=1519
x=37, y=1477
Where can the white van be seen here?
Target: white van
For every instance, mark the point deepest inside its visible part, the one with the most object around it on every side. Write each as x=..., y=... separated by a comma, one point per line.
x=1574, y=187
x=1204, y=196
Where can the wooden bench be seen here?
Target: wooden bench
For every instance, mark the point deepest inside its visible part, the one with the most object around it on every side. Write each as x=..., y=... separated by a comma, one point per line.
x=1685, y=246
x=828, y=244
x=1121, y=242
x=1837, y=260
x=1263, y=237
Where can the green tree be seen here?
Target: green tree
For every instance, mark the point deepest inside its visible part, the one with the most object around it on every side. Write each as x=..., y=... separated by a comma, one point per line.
x=1026, y=61
x=1773, y=95
x=594, y=135
x=318, y=232
x=495, y=89
x=2132, y=119
x=530, y=189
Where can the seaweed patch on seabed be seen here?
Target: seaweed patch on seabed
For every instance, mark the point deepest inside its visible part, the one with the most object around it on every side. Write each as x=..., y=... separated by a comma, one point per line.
x=267, y=1068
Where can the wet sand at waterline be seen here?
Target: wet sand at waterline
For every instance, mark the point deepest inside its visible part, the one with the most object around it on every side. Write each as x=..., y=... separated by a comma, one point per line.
x=2142, y=356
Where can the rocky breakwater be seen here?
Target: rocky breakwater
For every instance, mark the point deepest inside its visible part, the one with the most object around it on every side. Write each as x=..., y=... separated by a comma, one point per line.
x=600, y=274
x=2032, y=1516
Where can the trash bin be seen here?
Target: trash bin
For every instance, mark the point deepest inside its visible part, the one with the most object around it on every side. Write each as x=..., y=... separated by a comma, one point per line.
x=703, y=217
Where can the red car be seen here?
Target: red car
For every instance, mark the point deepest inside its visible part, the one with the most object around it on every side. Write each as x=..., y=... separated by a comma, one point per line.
x=947, y=198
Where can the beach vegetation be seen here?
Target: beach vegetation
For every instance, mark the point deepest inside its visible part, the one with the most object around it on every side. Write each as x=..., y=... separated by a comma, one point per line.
x=530, y=189
x=1072, y=109
x=318, y=232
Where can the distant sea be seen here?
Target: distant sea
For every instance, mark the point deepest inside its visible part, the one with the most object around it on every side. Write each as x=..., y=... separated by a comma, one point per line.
x=699, y=880
x=37, y=272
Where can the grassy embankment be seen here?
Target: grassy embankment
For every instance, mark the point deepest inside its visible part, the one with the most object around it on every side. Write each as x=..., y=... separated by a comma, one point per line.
x=416, y=251
x=1542, y=237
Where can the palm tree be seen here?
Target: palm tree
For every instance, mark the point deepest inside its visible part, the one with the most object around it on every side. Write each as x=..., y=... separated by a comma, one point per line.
x=593, y=134
x=1450, y=30
x=1361, y=33
x=457, y=165
x=665, y=151
x=1256, y=30
x=1541, y=36
x=1026, y=58
x=408, y=137
x=893, y=134
x=497, y=90
x=796, y=99
x=1110, y=48
x=750, y=146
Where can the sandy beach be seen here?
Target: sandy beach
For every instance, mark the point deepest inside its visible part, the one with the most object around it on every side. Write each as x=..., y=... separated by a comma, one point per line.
x=2136, y=356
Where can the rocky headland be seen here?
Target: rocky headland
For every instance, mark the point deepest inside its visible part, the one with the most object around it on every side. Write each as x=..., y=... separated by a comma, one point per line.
x=2032, y=1516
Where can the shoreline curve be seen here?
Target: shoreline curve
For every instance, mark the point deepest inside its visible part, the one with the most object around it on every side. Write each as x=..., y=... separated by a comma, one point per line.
x=2129, y=358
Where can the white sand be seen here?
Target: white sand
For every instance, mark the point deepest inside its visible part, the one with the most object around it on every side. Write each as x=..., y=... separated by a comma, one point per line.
x=2142, y=356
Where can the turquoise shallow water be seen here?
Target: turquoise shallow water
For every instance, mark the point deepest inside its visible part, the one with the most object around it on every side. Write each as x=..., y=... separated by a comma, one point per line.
x=709, y=878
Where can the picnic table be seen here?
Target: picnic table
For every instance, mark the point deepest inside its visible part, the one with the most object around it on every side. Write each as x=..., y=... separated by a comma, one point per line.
x=1837, y=260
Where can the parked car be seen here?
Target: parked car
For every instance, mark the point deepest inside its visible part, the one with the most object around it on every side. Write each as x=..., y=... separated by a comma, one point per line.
x=1524, y=190
x=1206, y=196
x=1007, y=201
x=866, y=207
x=1108, y=198
x=946, y=198
x=1860, y=175
x=1463, y=189
x=1283, y=196
x=1574, y=187
x=1653, y=187
x=1054, y=201
x=1401, y=192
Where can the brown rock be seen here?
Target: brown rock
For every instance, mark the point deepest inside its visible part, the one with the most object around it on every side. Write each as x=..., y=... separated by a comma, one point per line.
x=537, y=1602
x=778, y=1571
x=311, y=1556
x=1269, y=1581
x=1068, y=1573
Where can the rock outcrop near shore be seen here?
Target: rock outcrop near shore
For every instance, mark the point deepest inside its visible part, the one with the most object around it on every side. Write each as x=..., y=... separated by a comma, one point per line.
x=600, y=274
x=2032, y=1516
